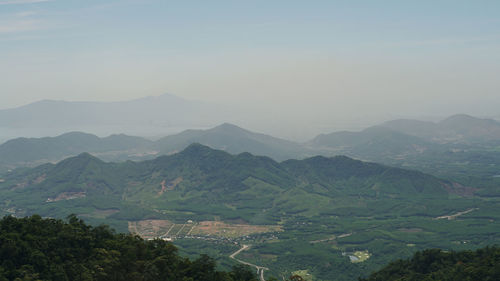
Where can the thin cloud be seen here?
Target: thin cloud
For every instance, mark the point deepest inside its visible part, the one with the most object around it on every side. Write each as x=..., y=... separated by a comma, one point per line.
x=18, y=26
x=25, y=14
x=447, y=41
x=15, y=2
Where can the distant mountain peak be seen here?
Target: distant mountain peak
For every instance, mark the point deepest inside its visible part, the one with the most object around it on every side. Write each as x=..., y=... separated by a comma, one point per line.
x=459, y=117
x=162, y=97
x=464, y=121
x=79, y=162
x=228, y=127
x=85, y=156
x=196, y=148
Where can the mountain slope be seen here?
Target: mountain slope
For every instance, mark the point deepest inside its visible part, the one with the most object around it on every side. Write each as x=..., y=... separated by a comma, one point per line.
x=207, y=182
x=435, y=264
x=33, y=151
x=456, y=128
x=28, y=152
x=471, y=128
x=140, y=117
x=47, y=249
x=233, y=139
x=371, y=179
x=52, y=113
x=371, y=143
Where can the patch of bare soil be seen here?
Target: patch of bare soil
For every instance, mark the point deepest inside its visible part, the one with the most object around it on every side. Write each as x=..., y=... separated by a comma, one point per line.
x=149, y=228
x=219, y=228
x=40, y=179
x=66, y=196
x=166, y=186
x=458, y=189
x=27, y=182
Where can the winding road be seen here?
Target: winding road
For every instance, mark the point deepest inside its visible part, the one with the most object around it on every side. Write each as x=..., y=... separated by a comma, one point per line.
x=260, y=269
x=454, y=216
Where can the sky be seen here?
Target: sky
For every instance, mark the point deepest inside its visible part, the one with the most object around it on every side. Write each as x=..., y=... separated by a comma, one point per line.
x=332, y=63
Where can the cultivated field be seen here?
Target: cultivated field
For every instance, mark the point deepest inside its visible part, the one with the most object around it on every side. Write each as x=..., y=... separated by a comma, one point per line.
x=168, y=229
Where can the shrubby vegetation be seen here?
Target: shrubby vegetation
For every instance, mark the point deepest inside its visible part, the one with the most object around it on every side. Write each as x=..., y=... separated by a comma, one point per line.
x=34, y=248
x=435, y=264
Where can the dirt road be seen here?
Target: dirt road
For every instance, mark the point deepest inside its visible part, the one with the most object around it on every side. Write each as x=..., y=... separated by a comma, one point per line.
x=260, y=269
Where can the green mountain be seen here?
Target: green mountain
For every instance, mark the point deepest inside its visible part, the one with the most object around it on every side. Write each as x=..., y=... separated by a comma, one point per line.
x=461, y=148
x=34, y=151
x=29, y=152
x=460, y=128
x=400, y=142
x=372, y=143
x=207, y=182
x=233, y=139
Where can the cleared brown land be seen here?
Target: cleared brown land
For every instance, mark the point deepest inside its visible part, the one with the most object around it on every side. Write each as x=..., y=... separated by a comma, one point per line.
x=165, y=228
x=169, y=186
x=150, y=228
x=67, y=196
x=218, y=228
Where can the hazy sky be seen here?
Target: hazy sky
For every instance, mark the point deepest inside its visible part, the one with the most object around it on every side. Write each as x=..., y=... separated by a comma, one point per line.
x=314, y=60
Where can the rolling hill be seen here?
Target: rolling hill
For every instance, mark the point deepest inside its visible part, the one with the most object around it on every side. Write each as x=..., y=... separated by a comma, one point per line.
x=459, y=128
x=26, y=152
x=461, y=147
x=29, y=152
x=372, y=143
x=233, y=139
x=404, y=143
x=145, y=116
x=207, y=182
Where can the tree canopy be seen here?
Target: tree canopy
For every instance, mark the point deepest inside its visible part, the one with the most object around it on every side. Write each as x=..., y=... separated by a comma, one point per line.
x=434, y=264
x=34, y=248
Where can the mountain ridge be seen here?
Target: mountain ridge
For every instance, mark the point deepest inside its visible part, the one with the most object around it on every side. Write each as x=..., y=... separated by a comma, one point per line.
x=393, y=142
x=455, y=128
x=144, y=116
x=207, y=176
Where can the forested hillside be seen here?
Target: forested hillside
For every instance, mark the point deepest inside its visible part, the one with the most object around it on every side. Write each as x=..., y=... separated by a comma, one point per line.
x=434, y=264
x=33, y=248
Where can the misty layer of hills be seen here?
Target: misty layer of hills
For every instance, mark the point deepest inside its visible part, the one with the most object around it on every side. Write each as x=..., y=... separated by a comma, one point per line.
x=161, y=110
x=457, y=129
x=144, y=116
x=167, y=114
x=430, y=173
x=33, y=151
x=389, y=142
